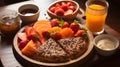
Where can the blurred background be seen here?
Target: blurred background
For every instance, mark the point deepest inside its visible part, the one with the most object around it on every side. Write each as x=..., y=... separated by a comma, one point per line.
x=6, y=2
x=116, y=3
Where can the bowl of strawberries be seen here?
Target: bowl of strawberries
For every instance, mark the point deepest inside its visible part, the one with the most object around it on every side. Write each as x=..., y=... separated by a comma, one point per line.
x=66, y=9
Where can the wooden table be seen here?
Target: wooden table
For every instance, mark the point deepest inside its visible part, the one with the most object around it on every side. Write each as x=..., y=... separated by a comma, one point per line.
x=112, y=27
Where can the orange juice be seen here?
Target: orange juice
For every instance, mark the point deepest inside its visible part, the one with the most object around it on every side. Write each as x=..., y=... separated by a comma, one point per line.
x=95, y=17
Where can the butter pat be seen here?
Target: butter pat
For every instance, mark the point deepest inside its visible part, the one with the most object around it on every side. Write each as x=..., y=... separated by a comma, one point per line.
x=106, y=44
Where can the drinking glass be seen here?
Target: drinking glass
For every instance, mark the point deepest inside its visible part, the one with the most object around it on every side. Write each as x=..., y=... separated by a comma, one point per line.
x=96, y=12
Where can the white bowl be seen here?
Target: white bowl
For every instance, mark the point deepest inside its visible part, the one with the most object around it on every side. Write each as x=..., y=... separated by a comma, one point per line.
x=103, y=48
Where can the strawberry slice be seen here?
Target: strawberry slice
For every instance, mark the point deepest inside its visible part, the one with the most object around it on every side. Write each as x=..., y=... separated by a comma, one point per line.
x=22, y=44
x=69, y=3
x=52, y=9
x=31, y=33
x=72, y=8
x=27, y=30
x=57, y=5
x=68, y=12
x=22, y=36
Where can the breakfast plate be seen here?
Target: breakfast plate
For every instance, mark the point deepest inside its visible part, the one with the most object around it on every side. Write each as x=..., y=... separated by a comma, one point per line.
x=28, y=61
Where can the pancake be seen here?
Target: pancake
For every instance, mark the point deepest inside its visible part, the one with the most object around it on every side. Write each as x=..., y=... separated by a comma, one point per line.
x=50, y=51
x=74, y=46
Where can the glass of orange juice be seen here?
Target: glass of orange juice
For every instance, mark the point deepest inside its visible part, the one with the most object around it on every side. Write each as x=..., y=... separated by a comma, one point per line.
x=96, y=12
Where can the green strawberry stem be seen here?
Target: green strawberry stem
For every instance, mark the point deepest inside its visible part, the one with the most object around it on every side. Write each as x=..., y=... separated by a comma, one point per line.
x=61, y=22
x=36, y=37
x=76, y=22
x=47, y=36
x=54, y=32
x=82, y=28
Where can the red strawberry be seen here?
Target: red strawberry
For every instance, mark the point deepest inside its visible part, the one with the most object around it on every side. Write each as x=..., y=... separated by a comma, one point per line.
x=64, y=6
x=27, y=30
x=72, y=8
x=69, y=3
x=56, y=35
x=57, y=5
x=54, y=22
x=46, y=34
x=66, y=24
x=52, y=9
x=63, y=3
x=68, y=12
x=59, y=12
x=75, y=26
x=22, y=36
x=22, y=44
x=33, y=37
x=31, y=33
x=79, y=33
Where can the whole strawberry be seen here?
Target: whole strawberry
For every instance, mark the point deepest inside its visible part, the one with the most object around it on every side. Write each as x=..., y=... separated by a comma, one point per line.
x=59, y=12
x=54, y=22
x=52, y=9
x=75, y=26
x=46, y=34
x=66, y=24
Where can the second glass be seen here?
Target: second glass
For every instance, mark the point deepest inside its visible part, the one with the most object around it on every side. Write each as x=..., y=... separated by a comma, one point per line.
x=96, y=12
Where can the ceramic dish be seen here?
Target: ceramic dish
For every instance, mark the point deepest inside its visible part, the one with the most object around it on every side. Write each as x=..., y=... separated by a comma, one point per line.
x=106, y=44
x=70, y=16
